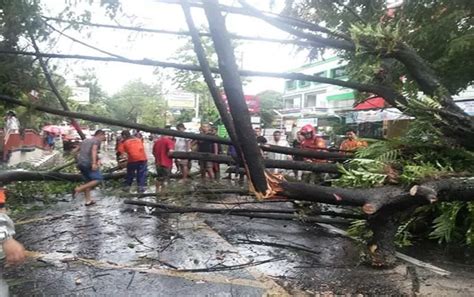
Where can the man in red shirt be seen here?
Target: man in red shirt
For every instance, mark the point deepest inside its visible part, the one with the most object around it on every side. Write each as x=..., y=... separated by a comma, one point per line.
x=136, y=160
x=161, y=149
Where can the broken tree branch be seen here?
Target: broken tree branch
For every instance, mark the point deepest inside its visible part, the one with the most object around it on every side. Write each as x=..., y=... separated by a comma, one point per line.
x=179, y=33
x=274, y=214
x=114, y=122
x=250, y=152
x=387, y=197
x=211, y=84
x=22, y=175
x=283, y=164
x=278, y=245
x=383, y=91
x=55, y=90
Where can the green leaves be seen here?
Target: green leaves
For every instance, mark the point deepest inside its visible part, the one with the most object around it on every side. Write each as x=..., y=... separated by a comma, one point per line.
x=445, y=227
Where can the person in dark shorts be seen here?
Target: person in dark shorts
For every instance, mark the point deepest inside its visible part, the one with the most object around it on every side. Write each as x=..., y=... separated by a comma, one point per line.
x=88, y=163
x=204, y=146
x=161, y=149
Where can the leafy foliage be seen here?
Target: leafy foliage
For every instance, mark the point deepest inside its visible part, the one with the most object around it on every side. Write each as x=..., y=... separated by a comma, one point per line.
x=139, y=102
x=269, y=100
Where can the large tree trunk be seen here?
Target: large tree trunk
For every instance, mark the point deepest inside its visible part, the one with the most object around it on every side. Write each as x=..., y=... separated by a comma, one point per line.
x=382, y=249
x=251, y=156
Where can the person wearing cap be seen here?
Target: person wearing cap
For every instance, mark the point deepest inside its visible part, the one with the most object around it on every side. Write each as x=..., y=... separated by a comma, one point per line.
x=311, y=141
x=88, y=163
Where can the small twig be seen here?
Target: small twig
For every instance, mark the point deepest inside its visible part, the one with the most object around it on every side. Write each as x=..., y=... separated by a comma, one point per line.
x=232, y=267
x=279, y=245
x=131, y=279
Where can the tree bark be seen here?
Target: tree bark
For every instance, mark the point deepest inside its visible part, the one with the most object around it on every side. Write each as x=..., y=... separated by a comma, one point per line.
x=251, y=156
x=211, y=84
x=275, y=214
x=21, y=175
x=389, y=198
x=384, y=226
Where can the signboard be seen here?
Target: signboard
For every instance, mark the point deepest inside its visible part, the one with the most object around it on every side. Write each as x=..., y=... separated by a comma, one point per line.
x=467, y=106
x=302, y=122
x=80, y=95
x=180, y=100
x=389, y=114
x=253, y=103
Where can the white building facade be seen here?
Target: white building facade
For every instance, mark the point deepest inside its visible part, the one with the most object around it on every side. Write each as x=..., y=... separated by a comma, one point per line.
x=304, y=100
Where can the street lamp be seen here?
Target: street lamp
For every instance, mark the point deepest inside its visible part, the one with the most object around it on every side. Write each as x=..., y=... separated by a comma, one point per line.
x=281, y=118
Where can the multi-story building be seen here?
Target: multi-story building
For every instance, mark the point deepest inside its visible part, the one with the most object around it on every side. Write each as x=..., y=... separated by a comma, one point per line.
x=308, y=101
x=317, y=103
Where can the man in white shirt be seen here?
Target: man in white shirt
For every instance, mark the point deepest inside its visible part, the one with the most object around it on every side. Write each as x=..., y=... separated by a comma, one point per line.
x=182, y=145
x=277, y=140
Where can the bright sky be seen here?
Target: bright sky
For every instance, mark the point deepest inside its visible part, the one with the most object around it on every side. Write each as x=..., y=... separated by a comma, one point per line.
x=261, y=56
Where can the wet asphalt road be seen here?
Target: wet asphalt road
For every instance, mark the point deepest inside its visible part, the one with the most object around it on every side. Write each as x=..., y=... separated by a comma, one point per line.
x=113, y=249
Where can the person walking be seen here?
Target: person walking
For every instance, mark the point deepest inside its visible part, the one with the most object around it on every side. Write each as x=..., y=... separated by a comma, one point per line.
x=161, y=150
x=88, y=163
x=133, y=148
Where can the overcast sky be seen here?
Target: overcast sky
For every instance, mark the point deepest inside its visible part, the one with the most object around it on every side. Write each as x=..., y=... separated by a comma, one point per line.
x=261, y=56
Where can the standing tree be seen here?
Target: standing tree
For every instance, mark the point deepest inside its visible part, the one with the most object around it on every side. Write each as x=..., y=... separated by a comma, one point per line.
x=269, y=100
x=138, y=102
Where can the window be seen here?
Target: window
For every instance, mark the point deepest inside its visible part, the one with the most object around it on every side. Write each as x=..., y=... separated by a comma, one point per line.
x=321, y=74
x=290, y=84
x=339, y=72
x=310, y=100
x=292, y=102
x=303, y=83
x=289, y=103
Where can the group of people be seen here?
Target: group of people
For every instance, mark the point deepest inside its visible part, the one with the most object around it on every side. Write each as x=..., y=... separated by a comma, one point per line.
x=131, y=154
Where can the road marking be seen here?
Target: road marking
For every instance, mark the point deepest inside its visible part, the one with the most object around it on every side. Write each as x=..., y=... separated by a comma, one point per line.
x=273, y=289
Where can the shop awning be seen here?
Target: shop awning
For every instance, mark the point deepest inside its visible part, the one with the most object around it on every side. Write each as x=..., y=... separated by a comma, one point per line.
x=371, y=103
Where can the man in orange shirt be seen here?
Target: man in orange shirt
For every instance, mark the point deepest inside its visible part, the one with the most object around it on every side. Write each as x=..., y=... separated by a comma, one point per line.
x=136, y=160
x=352, y=143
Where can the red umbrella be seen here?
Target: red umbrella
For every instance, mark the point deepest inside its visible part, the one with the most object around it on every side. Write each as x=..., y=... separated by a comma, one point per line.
x=53, y=129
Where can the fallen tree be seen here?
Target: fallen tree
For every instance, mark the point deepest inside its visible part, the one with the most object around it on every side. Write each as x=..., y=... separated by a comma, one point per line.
x=23, y=175
x=98, y=119
x=283, y=164
x=275, y=214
